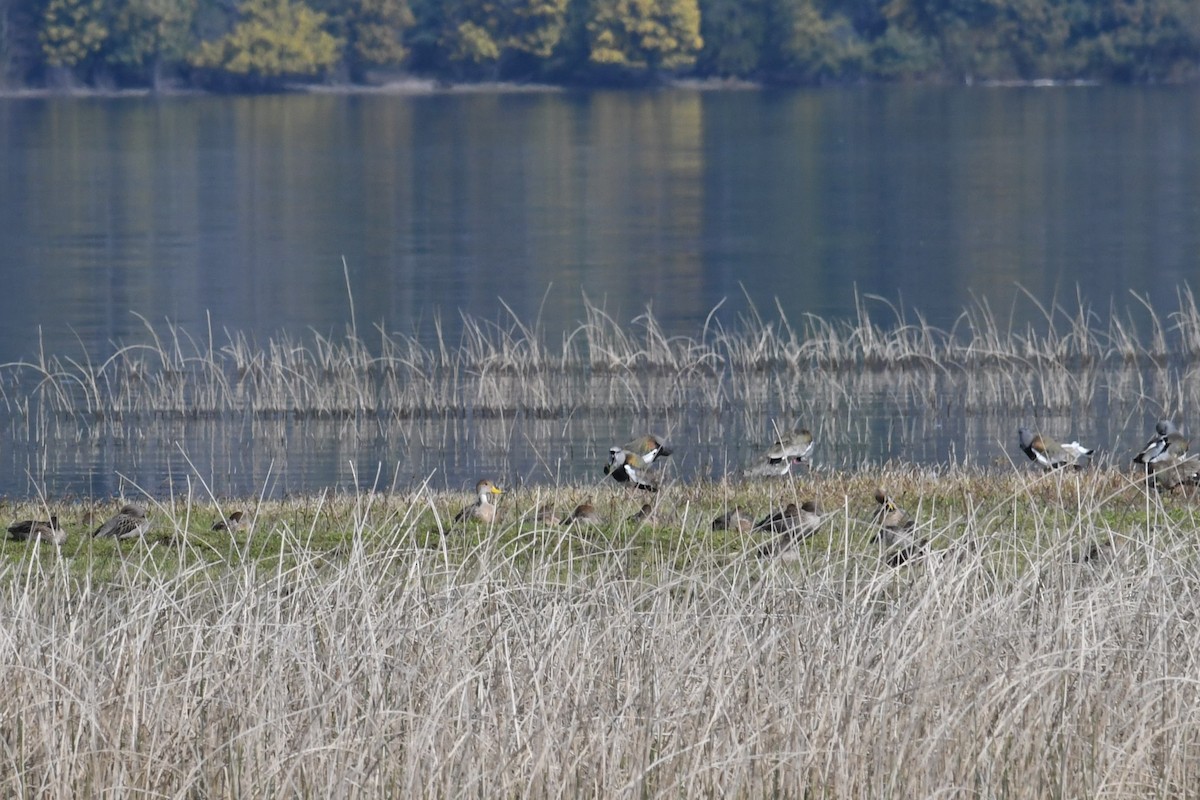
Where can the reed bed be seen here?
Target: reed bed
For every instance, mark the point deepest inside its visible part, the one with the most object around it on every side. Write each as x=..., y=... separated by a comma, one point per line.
x=357, y=645
x=611, y=365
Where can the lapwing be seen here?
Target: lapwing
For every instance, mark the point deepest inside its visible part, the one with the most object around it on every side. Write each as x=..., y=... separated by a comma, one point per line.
x=1049, y=454
x=795, y=446
x=628, y=466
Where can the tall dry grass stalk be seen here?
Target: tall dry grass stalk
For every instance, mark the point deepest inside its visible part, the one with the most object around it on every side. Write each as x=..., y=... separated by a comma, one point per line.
x=1047, y=646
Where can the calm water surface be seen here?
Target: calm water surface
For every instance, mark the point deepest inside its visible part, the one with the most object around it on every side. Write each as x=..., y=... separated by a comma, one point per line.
x=235, y=215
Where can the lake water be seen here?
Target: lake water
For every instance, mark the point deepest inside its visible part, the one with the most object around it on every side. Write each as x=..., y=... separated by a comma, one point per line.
x=235, y=216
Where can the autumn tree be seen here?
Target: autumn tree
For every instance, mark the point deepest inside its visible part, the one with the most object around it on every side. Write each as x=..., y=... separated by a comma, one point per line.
x=644, y=35
x=734, y=33
x=146, y=35
x=374, y=31
x=273, y=41
x=73, y=32
x=486, y=37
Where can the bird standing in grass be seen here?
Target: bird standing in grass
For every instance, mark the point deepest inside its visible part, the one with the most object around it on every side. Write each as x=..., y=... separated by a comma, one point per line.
x=584, y=512
x=1168, y=442
x=793, y=524
x=129, y=523
x=1165, y=458
x=644, y=514
x=546, y=515
x=37, y=531
x=232, y=523
x=734, y=519
x=628, y=463
x=1049, y=454
x=483, y=509
x=896, y=531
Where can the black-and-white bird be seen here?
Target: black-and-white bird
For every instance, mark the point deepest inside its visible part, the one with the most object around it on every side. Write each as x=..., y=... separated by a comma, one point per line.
x=1049, y=454
x=795, y=447
x=1165, y=458
x=629, y=462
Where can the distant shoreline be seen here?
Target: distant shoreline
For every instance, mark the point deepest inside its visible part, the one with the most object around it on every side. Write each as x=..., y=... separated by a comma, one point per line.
x=416, y=86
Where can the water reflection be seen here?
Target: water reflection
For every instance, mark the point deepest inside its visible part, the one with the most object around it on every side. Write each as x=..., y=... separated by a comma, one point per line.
x=231, y=217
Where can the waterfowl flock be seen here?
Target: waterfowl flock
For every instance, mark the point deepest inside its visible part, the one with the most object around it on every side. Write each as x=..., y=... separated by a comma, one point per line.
x=1165, y=460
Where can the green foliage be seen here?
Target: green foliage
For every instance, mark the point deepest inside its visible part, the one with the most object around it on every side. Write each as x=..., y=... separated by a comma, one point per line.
x=473, y=34
x=811, y=41
x=275, y=39
x=534, y=27
x=644, y=34
x=374, y=31
x=818, y=47
x=147, y=32
x=72, y=31
x=734, y=33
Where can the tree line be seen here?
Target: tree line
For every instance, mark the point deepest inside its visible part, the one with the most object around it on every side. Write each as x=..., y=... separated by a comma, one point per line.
x=256, y=45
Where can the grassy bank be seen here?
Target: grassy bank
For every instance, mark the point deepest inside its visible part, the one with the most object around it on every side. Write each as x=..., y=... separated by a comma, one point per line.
x=344, y=647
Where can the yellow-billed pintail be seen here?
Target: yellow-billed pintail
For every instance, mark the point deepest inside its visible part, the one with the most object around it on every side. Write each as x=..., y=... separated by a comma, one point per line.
x=734, y=519
x=1049, y=454
x=584, y=512
x=793, y=524
x=644, y=514
x=233, y=523
x=31, y=530
x=130, y=522
x=896, y=535
x=483, y=509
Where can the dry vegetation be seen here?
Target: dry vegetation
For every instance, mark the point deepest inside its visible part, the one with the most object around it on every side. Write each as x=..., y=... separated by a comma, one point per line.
x=1046, y=646
x=606, y=365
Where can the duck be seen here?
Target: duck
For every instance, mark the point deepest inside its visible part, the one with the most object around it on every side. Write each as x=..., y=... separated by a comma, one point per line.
x=128, y=523
x=645, y=514
x=895, y=535
x=734, y=519
x=791, y=448
x=1049, y=454
x=584, y=512
x=793, y=524
x=482, y=509
x=38, y=531
x=232, y=523
x=546, y=515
